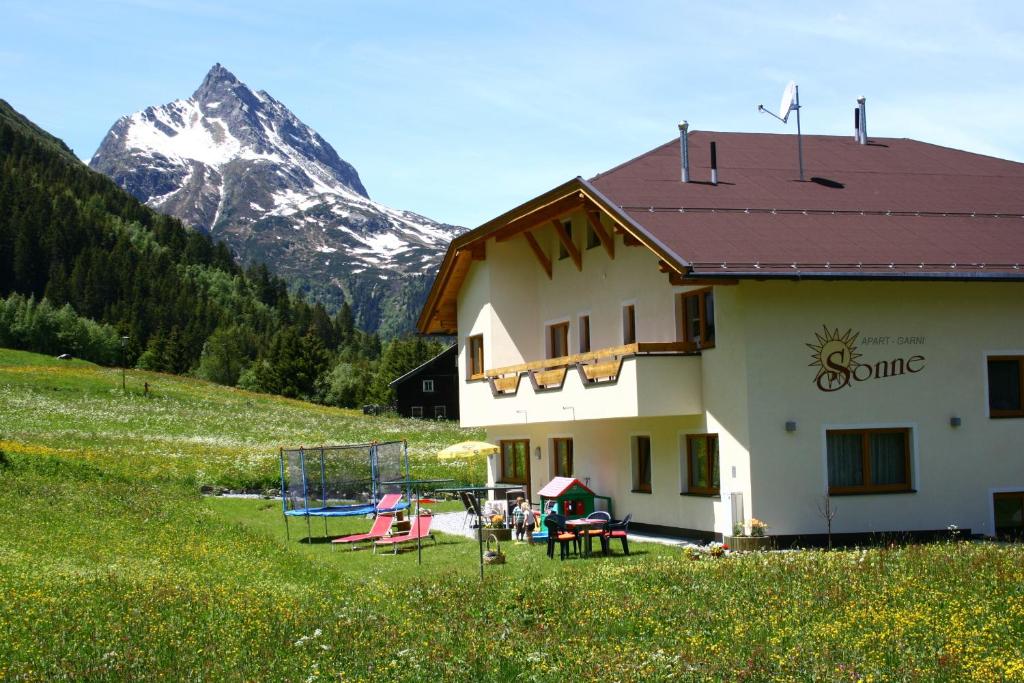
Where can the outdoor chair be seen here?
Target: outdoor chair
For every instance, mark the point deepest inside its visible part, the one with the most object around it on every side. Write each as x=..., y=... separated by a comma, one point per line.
x=557, y=531
x=420, y=529
x=601, y=533
x=381, y=527
x=388, y=502
x=473, y=510
x=619, y=530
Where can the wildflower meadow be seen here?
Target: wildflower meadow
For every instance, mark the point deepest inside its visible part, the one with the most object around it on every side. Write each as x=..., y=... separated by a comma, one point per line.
x=113, y=566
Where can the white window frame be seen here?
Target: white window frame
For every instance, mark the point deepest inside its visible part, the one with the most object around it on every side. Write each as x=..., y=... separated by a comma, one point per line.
x=413, y=410
x=440, y=412
x=428, y=386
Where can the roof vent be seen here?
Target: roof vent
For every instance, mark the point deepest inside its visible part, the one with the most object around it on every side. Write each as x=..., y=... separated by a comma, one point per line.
x=863, y=127
x=684, y=149
x=714, y=163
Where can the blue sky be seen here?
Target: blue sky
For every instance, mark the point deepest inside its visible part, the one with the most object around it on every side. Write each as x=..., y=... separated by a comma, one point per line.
x=461, y=110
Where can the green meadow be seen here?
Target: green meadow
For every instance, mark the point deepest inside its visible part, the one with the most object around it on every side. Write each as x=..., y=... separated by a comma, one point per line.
x=113, y=566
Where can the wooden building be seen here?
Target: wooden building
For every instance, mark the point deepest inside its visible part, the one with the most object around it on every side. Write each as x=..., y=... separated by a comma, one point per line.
x=430, y=390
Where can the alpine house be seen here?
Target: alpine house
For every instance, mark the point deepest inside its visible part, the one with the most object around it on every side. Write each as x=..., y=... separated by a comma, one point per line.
x=710, y=346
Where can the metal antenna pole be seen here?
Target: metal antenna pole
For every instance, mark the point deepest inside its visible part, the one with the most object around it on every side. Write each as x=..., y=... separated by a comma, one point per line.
x=799, y=139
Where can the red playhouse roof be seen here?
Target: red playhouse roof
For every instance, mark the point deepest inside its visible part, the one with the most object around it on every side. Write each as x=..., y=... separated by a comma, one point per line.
x=559, y=485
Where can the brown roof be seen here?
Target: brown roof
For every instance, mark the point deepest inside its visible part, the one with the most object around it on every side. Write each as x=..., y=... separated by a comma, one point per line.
x=904, y=207
x=894, y=208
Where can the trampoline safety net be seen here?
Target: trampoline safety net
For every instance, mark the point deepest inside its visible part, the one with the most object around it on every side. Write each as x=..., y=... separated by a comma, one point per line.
x=338, y=479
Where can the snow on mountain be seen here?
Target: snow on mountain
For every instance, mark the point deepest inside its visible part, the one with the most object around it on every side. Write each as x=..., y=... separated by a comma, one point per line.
x=239, y=165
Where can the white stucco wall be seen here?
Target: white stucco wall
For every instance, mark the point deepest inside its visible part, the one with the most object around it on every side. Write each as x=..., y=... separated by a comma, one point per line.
x=952, y=326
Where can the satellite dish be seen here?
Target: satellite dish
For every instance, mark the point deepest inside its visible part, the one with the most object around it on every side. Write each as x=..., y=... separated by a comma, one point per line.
x=788, y=101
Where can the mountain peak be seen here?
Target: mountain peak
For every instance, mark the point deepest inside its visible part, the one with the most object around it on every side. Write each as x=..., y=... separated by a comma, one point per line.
x=218, y=81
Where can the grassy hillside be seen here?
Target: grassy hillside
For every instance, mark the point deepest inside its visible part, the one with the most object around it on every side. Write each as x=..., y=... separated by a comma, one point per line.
x=186, y=430
x=112, y=567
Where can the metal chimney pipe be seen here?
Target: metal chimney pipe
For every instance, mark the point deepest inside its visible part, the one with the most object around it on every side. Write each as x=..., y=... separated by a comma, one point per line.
x=714, y=164
x=856, y=124
x=863, y=120
x=684, y=149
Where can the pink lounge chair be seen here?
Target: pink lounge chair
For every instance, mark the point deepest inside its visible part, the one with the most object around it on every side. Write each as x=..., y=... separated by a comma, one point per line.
x=420, y=528
x=388, y=502
x=381, y=527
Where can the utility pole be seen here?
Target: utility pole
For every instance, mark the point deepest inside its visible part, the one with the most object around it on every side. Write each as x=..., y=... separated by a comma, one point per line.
x=124, y=341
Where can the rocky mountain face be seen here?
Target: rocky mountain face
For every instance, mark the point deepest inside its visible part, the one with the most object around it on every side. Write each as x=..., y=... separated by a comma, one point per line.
x=239, y=165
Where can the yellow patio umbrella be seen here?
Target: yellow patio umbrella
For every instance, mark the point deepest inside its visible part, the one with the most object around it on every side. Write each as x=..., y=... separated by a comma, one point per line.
x=468, y=449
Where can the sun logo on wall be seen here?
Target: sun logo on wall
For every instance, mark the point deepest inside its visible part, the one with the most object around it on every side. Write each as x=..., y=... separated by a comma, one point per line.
x=835, y=355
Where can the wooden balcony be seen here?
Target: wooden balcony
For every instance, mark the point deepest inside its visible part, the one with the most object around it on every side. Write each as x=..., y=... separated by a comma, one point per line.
x=602, y=365
x=633, y=380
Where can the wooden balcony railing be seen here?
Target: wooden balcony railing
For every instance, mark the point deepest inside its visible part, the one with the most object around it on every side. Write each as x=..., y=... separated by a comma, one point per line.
x=602, y=365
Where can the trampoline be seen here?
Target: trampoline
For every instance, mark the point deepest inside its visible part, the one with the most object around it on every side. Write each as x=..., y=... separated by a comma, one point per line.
x=342, y=481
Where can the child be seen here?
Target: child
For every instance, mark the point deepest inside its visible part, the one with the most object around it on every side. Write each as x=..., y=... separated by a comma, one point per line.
x=529, y=520
x=518, y=518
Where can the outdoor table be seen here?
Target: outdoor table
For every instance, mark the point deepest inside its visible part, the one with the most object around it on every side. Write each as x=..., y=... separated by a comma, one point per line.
x=582, y=526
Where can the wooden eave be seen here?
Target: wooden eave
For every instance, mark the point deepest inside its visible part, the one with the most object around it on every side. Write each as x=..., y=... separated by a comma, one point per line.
x=439, y=314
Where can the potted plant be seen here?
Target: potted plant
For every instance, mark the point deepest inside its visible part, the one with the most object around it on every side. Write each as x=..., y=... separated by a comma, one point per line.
x=495, y=524
x=753, y=536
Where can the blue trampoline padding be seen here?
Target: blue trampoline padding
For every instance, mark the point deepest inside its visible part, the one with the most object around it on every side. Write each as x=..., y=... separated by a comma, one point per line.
x=341, y=511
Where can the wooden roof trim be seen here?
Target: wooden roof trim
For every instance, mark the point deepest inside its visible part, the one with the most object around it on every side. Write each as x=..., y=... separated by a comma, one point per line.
x=545, y=262
x=567, y=242
x=577, y=192
x=607, y=241
x=550, y=212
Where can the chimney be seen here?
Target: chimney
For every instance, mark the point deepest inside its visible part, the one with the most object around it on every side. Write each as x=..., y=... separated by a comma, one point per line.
x=856, y=124
x=862, y=109
x=684, y=149
x=714, y=164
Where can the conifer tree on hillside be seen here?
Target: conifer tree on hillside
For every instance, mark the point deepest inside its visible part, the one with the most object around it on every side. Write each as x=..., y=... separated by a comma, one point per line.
x=83, y=263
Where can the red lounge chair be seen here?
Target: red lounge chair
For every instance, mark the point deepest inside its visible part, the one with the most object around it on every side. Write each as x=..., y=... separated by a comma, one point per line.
x=420, y=529
x=388, y=502
x=381, y=527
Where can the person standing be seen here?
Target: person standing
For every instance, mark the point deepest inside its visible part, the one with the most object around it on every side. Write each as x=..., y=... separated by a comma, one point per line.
x=519, y=518
x=529, y=520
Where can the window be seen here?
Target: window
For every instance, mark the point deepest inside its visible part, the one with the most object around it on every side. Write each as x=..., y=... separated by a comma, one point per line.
x=416, y=411
x=868, y=460
x=440, y=412
x=558, y=340
x=695, y=317
x=592, y=239
x=515, y=461
x=1005, y=386
x=584, y=333
x=629, y=324
x=641, y=464
x=1009, y=511
x=562, y=251
x=475, y=344
x=562, y=449
x=428, y=386
x=702, y=463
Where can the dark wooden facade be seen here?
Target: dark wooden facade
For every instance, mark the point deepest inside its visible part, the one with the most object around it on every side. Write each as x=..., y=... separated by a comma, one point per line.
x=431, y=390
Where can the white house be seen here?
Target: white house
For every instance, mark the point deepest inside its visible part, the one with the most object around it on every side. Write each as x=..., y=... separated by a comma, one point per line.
x=705, y=353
